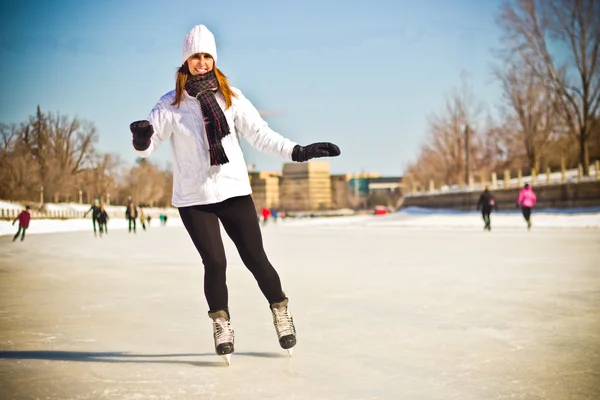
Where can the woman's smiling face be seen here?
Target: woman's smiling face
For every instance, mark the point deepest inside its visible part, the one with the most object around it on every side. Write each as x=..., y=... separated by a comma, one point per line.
x=200, y=63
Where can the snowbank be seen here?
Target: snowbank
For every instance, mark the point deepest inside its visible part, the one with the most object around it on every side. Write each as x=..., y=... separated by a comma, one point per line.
x=69, y=209
x=71, y=225
x=403, y=219
x=451, y=219
x=116, y=213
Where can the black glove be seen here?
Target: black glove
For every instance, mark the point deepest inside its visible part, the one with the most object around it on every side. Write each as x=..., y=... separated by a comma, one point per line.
x=142, y=132
x=315, y=150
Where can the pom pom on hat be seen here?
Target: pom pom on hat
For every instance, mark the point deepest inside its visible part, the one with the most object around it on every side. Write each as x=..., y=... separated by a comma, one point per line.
x=199, y=40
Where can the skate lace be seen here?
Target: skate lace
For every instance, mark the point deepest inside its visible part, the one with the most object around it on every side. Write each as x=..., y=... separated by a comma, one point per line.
x=223, y=331
x=284, y=324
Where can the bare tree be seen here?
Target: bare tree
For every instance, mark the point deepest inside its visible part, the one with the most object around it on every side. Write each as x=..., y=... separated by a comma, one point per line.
x=491, y=149
x=531, y=107
x=57, y=153
x=165, y=200
x=146, y=183
x=429, y=166
x=534, y=28
x=98, y=179
x=594, y=148
x=452, y=136
x=60, y=146
x=18, y=175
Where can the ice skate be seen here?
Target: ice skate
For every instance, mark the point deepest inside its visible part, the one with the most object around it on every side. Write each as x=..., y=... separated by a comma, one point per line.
x=227, y=359
x=223, y=335
x=284, y=326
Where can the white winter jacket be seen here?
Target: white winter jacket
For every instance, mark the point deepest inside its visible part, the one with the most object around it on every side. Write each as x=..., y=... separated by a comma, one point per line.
x=195, y=182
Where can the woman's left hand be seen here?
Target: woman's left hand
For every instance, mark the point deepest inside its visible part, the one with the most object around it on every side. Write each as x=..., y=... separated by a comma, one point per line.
x=315, y=150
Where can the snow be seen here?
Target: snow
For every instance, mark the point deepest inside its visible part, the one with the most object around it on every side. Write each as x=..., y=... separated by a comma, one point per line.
x=111, y=209
x=116, y=221
x=404, y=306
x=11, y=206
x=413, y=218
x=71, y=225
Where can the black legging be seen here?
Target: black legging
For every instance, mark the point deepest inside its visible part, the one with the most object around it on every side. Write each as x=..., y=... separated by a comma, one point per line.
x=526, y=213
x=485, y=214
x=238, y=216
x=131, y=223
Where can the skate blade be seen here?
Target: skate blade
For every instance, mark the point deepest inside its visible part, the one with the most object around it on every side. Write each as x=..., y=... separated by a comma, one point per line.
x=290, y=351
x=227, y=359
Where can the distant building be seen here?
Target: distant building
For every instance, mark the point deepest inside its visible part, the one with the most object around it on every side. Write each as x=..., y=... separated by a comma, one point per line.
x=388, y=184
x=384, y=191
x=358, y=186
x=310, y=187
x=358, y=191
x=265, y=189
x=305, y=186
x=340, y=191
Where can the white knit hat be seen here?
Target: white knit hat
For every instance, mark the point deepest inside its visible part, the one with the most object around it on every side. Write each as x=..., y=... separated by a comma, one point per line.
x=199, y=40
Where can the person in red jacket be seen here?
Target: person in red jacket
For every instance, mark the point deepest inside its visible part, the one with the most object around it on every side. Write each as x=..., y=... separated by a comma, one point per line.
x=23, y=218
x=266, y=213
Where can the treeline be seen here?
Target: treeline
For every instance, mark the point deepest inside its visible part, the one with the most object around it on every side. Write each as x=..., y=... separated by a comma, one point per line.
x=548, y=65
x=53, y=158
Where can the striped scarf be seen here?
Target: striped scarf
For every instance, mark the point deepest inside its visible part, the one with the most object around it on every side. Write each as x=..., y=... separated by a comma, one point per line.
x=203, y=87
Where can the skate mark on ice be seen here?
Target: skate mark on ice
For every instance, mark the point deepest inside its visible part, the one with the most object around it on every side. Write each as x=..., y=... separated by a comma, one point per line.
x=261, y=354
x=107, y=357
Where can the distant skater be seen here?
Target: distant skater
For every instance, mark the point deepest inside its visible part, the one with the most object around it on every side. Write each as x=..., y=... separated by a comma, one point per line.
x=486, y=203
x=142, y=218
x=102, y=220
x=131, y=214
x=266, y=214
x=24, y=217
x=527, y=200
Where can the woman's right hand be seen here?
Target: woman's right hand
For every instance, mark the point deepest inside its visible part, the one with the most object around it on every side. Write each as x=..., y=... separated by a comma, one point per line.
x=142, y=133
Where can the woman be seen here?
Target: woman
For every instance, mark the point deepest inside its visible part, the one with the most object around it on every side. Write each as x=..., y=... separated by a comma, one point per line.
x=527, y=200
x=204, y=118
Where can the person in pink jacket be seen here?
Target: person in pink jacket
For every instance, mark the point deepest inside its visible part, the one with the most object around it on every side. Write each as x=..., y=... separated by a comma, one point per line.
x=527, y=201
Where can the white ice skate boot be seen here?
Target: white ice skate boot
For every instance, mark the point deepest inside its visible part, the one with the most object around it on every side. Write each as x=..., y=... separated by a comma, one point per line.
x=284, y=325
x=223, y=335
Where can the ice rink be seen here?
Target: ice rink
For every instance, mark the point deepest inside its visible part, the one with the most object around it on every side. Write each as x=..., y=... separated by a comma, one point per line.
x=382, y=310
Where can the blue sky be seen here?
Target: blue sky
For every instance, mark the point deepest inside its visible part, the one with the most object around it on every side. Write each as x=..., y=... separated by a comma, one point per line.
x=362, y=74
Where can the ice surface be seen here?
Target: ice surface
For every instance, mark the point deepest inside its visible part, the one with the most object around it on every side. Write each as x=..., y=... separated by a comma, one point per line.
x=384, y=309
